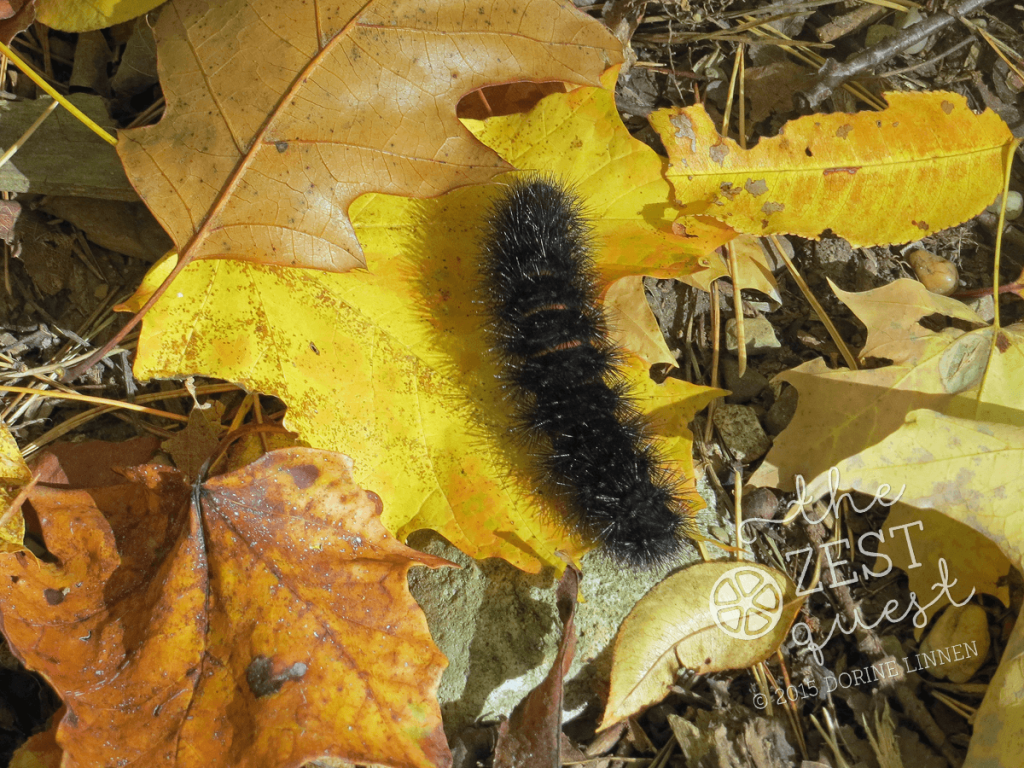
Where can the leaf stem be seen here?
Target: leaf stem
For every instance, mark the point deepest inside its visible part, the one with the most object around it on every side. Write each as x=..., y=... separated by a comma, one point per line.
x=1010, y=151
x=32, y=75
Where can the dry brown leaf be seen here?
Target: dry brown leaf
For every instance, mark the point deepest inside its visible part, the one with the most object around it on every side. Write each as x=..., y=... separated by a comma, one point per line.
x=192, y=446
x=280, y=115
x=532, y=735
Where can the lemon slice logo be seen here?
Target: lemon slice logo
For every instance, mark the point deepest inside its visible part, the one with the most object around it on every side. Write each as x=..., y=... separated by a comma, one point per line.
x=745, y=604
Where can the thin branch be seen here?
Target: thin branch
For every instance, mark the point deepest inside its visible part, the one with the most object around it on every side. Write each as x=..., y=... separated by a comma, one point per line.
x=833, y=75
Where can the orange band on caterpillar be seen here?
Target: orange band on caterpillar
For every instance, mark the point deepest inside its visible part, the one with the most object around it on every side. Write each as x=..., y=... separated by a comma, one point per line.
x=593, y=447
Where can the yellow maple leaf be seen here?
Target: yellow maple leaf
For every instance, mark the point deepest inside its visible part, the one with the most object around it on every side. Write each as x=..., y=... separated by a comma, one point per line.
x=390, y=365
x=968, y=374
x=972, y=471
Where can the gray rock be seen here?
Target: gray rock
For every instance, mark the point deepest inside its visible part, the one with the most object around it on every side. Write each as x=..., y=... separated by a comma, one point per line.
x=743, y=389
x=781, y=412
x=499, y=627
x=741, y=432
x=760, y=336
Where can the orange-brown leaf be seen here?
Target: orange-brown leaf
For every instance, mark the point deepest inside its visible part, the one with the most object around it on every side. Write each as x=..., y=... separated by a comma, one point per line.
x=270, y=626
x=279, y=114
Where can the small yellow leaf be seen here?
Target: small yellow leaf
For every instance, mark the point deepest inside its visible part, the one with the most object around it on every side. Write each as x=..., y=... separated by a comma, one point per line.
x=752, y=270
x=13, y=469
x=925, y=163
x=708, y=617
x=14, y=473
x=891, y=314
x=192, y=446
x=632, y=323
x=40, y=751
x=78, y=16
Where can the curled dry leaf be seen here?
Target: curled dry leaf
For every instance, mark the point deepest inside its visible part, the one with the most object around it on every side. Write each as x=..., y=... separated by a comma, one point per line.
x=532, y=735
x=709, y=617
x=261, y=619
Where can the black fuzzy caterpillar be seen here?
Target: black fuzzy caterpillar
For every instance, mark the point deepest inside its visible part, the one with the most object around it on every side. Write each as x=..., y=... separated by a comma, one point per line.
x=593, y=447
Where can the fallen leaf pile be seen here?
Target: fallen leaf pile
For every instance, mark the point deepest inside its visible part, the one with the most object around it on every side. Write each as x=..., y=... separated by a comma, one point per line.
x=944, y=424
x=325, y=202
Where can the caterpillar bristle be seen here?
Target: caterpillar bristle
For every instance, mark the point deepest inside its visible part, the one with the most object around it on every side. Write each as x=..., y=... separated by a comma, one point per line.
x=594, y=451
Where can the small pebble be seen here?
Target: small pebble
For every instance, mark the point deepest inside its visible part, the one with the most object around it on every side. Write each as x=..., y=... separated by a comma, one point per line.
x=909, y=19
x=1014, y=205
x=961, y=633
x=760, y=504
x=877, y=33
x=760, y=335
x=937, y=274
x=743, y=389
x=741, y=432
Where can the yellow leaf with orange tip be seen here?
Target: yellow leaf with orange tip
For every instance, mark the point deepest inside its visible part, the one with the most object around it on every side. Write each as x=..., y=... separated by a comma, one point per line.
x=262, y=619
x=391, y=366
x=924, y=164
